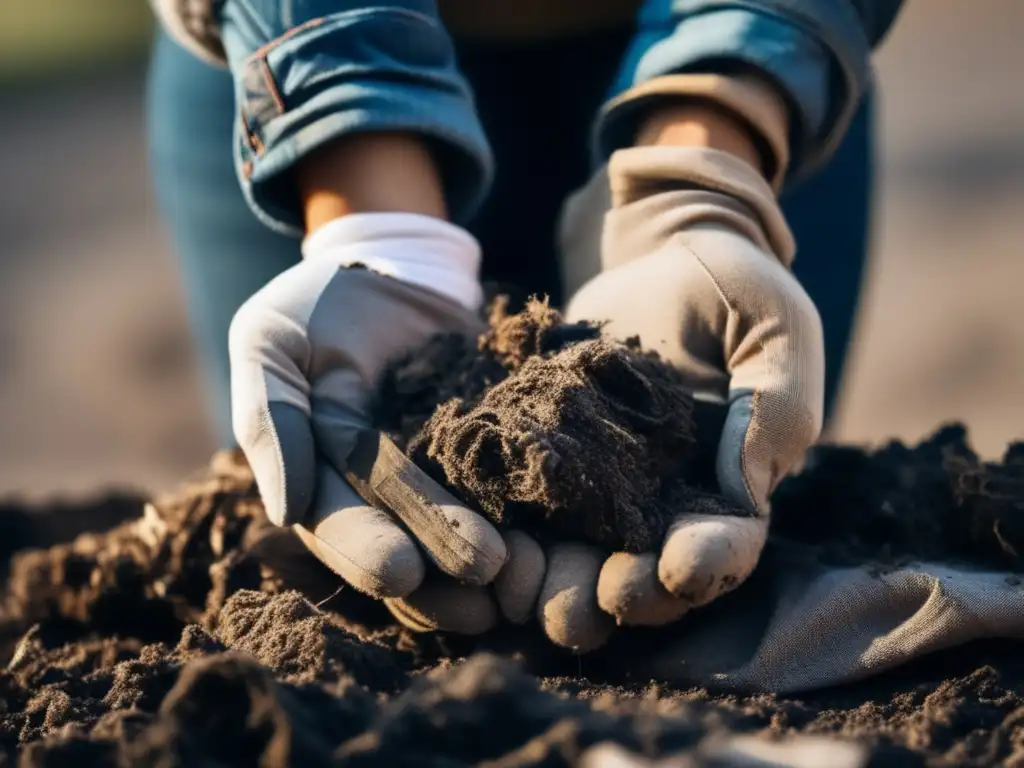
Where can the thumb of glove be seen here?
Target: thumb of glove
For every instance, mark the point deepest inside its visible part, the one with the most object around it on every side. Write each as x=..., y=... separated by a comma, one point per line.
x=270, y=405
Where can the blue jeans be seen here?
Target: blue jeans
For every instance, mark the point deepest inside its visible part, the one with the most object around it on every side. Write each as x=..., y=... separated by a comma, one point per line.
x=226, y=253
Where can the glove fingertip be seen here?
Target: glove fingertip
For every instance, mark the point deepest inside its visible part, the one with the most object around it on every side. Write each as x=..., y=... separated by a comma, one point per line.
x=567, y=608
x=629, y=589
x=363, y=545
x=392, y=568
x=519, y=582
x=706, y=556
x=446, y=606
x=478, y=551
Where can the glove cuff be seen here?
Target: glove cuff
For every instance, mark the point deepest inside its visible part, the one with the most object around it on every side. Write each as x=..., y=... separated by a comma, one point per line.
x=640, y=172
x=194, y=25
x=761, y=108
x=418, y=250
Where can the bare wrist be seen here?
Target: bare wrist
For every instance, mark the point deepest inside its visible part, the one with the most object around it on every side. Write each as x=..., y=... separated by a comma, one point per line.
x=704, y=122
x=700, y=125
x=370, y=173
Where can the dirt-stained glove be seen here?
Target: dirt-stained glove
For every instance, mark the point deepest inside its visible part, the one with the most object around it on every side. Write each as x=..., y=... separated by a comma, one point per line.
x=695, y=257
x=306, y=351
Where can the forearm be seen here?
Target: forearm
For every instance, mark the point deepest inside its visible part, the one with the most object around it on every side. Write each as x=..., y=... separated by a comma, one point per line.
x=313, y=80
x=705, y=123
x=815, y=52
x=369, y=173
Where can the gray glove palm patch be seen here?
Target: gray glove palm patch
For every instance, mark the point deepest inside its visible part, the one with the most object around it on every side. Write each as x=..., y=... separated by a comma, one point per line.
x=305, y=352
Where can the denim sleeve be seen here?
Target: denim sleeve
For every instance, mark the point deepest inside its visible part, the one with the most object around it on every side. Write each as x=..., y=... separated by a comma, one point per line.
x=309, y=71
x=817, y=51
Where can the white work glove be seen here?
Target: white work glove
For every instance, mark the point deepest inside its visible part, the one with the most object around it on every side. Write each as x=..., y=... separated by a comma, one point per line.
x=306, y=352
x=695, y=258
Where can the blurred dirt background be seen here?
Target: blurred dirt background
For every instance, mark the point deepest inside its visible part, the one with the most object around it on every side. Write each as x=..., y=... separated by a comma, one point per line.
x=97, y=377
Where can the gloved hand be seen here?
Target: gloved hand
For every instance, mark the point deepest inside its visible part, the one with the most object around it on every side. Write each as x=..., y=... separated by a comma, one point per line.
x=695, y=259
x=306, y=351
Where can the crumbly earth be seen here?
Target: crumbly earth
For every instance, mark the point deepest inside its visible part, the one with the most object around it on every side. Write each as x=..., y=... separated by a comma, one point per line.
x=550, y=428
x=937, y=501
x=190, y=631
x=198, y=634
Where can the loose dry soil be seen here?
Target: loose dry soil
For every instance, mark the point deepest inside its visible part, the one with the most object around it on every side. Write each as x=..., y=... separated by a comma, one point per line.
x=190, y=631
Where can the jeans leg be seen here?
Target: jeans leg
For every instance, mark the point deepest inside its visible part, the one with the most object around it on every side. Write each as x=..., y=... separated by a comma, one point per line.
x=830, y=218
x=537, y=111
x=225, y=254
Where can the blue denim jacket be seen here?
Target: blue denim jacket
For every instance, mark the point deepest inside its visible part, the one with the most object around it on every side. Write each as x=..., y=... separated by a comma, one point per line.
x=307, y=71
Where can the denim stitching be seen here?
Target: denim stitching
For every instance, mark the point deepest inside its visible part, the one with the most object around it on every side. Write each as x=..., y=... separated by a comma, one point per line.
x=267, y=47
x=259, y=57
x=271, y=83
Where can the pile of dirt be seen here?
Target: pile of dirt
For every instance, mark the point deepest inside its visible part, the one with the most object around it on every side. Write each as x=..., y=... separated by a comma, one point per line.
x=199, y=633
x=196, y=633
x=936, y=502
x=182, y=638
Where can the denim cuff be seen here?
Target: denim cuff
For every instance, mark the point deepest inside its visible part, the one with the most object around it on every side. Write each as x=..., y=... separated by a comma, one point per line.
x=816, y=52
x=373, y=69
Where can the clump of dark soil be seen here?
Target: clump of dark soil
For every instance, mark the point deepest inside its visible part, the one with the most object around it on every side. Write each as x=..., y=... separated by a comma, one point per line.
x=23, y=526
x=937, y=502
x=550, y=428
